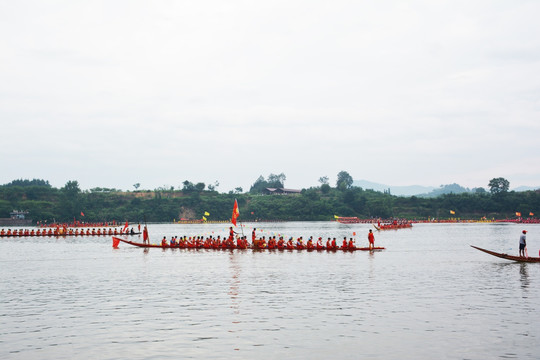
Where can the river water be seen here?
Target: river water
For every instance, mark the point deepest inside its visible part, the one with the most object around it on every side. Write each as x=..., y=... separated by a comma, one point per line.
x=429, y=295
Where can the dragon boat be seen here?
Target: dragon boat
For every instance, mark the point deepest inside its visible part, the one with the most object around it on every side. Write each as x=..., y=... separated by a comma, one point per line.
x=64, y=234
x=393, y=226
x=117, y=241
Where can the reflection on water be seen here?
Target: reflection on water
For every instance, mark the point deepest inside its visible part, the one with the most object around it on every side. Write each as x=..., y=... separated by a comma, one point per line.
x=429, y=295
x=523, y=271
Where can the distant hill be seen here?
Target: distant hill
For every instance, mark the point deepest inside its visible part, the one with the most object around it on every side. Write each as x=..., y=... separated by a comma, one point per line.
x=424, y=191
x=526, y=188
x=394, y=190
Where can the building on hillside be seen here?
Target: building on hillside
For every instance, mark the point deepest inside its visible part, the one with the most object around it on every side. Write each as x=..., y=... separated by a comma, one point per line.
x=280, y=191
x=17, y=218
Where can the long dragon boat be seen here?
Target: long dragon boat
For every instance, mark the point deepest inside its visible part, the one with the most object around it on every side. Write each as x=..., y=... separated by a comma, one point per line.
x=393, y=226
x=66, y=234
x=509, y=257
x=117, y=241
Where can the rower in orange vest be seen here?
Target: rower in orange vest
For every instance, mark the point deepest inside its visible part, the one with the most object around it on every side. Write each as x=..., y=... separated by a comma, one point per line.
x=281, y=243
x=345, y=245
x=240, y=242
x=164, y=241
x=300, y=243
x=310, y=245
x=351, y=244
x=290, y=244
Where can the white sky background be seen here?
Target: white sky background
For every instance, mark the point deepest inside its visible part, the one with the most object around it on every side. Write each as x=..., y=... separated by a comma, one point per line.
x=113, y=93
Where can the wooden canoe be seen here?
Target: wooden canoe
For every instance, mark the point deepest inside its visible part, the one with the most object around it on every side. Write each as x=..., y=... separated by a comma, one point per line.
x=509, y=257
x=117, y=240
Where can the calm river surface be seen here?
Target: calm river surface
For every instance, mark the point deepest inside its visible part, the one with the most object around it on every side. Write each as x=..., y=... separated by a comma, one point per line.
x=427, y=296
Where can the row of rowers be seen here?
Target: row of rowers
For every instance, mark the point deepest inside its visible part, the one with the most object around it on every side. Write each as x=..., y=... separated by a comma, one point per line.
x=261, y=243
x=65, y=232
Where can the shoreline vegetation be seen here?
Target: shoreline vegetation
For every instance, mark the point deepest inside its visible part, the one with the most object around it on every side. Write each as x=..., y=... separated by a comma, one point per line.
x=194, y=204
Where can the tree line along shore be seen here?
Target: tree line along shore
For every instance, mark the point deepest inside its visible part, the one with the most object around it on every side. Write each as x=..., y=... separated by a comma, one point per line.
x=45, y=203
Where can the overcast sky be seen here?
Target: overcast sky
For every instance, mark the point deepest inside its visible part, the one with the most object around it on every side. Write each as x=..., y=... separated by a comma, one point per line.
x=113, y=93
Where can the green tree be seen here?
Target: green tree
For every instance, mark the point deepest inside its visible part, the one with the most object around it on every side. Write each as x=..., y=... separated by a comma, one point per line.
x=323, y=180
x=71, y=189
x=259, y=185
x=188, y=187
x=325, y=188
x=344, y=180
x=277, y=181
x=498, y=185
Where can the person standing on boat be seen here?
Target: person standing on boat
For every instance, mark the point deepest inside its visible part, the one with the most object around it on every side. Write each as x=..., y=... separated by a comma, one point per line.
x=523, y=243
x=371, y=239
x=253, y=235
x=232, y=233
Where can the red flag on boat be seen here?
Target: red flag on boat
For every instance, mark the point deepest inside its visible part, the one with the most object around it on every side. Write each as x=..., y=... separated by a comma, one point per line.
x=531, y=214
x=125, y=226
x=235, y=212
x=82, y=214
x=115, y=242
x=518, y=213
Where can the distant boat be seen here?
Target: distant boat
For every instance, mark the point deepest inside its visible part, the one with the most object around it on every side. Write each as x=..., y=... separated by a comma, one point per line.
x=393, y=226
x=347, y=220
x=509, y=257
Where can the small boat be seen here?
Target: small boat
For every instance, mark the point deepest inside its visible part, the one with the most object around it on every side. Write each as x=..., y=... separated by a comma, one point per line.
x=509, y=257
x=117, y=240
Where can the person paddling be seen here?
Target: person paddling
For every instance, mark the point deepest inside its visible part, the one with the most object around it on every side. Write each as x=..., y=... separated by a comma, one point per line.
x=523, y=243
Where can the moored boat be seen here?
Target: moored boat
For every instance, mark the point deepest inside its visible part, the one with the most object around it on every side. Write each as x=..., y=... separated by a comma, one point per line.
x=509, y=257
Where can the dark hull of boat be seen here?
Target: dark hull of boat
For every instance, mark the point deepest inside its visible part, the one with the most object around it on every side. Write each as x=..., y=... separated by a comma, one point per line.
x=509, y=257
x=143, y=245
